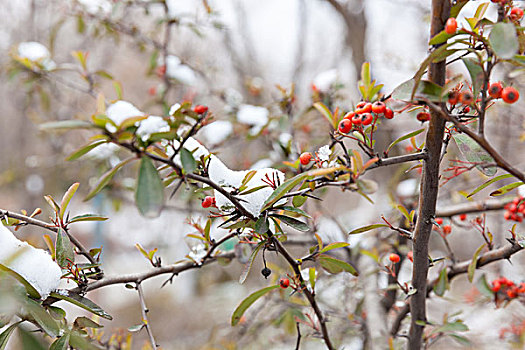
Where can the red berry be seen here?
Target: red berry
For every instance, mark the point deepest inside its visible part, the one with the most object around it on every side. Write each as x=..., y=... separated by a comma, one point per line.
x=447, y=229
x=389, y=114
x=466, y=97
x=453, y=98
x=394, y=258
x=423, y=116
x=378, y=107
x=410, y=256
x=512, y=293
x=367, y=108
x=439, y=221
x=356, y=119
x=451, y=26
x=496, y=286
x=349, y=115
x=360, y=105
x=466, y=109
x=200, y=109
x=367, y=119
x=284, y=283
x=516, y=14
x=305, y=158
x=345, y=126
x=495, y=90
x=510, y=95
x=208, y=202
x=463, y=217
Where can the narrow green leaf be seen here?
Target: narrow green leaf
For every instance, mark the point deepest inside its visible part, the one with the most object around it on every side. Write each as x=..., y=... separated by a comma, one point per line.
x=4, y=337
x=85, y=149
x=475, y=154
x=456, y=326
x=29, y=341
x=246, y=303
x=460, y=339
x=476, y=73
x=295, y=210
x=403, y=138
x=284, y=188
x=325, y=112
x=504, y=40
x=81, y=342
x=188, y=162
x=335, y=245
x=43, y=318
x=67, y=198
x=28, y=287
x=61, y=343
x=425, y=89
x=66, y=124
x=84, y=322
x=293, y=222
x=366, y=228
x=440, y=38
x=248, y=265
x=149, y=196
x=87, y=217
x=298, y=201
x=488, y=183
x=484, y=287
x=442, y=283
x=106, y=177
x=438, y=52
x=252, y=190
x=454, y=11
x=505, y=189
x=262, y=226
x=473, y=264
x=336, y=266
x=80, y=301
x=64, y=250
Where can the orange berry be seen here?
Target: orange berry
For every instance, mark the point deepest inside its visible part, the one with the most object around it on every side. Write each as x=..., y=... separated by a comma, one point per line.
x=356, y=119
x=495, y=90
x=284, y=283
x=516, y=14
x=305, y=158
x=451, y=26
x=378, y=107
x=453, y=98
x=367, y=119
x=439, y=221
x=208, y=202
x=447, y=229
x=463, y=217
x=423, y=116
x=349, y=115
x=345, y=126
x=466, y=97
x=389, y=114
x=394, y=258
x=199, y=109
x=510, y=94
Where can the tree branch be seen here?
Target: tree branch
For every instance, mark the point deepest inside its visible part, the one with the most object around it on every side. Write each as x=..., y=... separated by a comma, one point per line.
x=144, y=310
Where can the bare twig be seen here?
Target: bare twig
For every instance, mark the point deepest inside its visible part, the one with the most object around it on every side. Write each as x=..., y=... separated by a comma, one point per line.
x=145, y=311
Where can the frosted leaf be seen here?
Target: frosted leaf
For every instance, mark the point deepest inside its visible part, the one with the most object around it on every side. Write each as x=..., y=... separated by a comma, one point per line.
x=408, y=188
x=174, y=108
x=120, y=111
x=217, y=132
x=324, y=81
x=104, y=151
x=95, y=6
x=36, y=52
x=253, y=115
x=34, y=265
x=284, y=138
x=324, y=153
x=178, y=71
x=150, y=125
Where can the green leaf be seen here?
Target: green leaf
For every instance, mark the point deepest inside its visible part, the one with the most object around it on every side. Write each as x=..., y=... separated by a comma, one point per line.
x=298, y=201
x=456, y=326
x=475, y=154
x=325, y=112
x=442, y=284
x=366, y=228
x=460, y=339
x=64, y=250
x=85, y=149
x=188, y=162
x=484, y=287
x=454, y=11
x=261, y=225
x=252, y=190
x=43, y=318
x=503, y=40
x=295, y=210
x=80, y=301
x=284, y=188
x=106, y=177
x=474, y=263
x=476, y=73
x=425, y=89
x=29, y=341
x=149, y=196
x=293, y=222
x=4, y=337
x=440, y=38
x=505, y=189
x=61, y=343
x=67, y=198
x=87, y=217
x=403, y=138
x=335, y=266
x=489, y=182
x=334, y=246
x=79, y=342
x=438, y=53
x=248, y=265
x=246, y=303
x=84, y=322
x=66, y=124
x=28, y=287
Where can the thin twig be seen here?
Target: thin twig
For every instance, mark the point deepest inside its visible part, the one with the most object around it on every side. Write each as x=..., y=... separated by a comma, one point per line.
x=145, y=311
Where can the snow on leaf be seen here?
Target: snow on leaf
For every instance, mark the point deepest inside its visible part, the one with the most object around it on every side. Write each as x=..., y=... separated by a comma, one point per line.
x=120, y=111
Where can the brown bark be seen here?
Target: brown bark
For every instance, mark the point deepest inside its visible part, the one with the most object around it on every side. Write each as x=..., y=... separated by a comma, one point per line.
x=428, y=192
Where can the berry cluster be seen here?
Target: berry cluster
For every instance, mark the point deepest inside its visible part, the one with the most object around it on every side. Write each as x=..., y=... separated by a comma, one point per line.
x=445, y=229
x=364, y=114
x=507, y=94
x=507, y=287
x=515, y=210
x=515, y=14
x=208, y=202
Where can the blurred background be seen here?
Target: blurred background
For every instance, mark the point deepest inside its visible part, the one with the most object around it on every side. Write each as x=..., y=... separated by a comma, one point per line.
x=226, y=54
